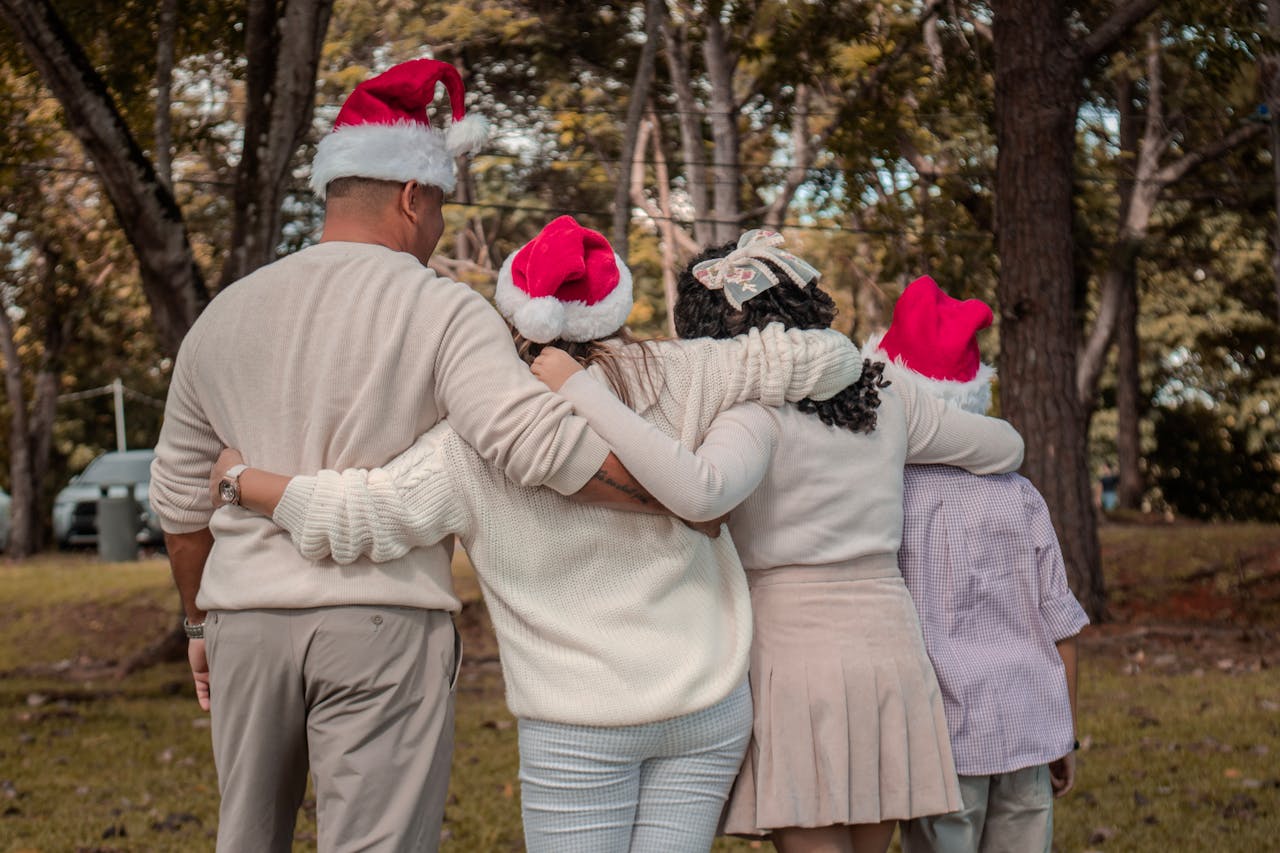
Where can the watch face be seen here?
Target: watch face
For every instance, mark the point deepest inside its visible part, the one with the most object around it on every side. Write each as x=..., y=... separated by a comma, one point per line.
x=228, y=492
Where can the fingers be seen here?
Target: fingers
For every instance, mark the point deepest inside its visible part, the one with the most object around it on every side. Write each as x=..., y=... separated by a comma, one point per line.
x=1062, y=775
x=202, y=690
x=199, y=671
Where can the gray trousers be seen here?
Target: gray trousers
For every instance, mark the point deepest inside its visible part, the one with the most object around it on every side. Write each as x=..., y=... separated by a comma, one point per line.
x=1004, y=813
x=361, y=694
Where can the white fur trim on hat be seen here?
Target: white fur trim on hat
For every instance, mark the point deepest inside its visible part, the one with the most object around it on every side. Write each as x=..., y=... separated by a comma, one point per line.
x=467, y=135
x=972, y=396
x=547, y=318
x=406, y=151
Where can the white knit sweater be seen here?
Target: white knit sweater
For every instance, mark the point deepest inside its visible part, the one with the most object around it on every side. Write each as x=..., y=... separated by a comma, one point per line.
x=818, y=495
x=602, y=617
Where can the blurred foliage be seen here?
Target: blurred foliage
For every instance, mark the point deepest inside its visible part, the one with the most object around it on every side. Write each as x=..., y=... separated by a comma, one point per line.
x=900, y=186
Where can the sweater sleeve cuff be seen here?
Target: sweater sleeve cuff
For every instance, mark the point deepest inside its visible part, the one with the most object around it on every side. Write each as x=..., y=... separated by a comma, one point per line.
x=291, y=511
x=1063, y=617
x=838, y=364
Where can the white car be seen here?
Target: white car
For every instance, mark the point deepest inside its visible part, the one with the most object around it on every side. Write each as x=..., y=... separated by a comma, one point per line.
x=75, y=509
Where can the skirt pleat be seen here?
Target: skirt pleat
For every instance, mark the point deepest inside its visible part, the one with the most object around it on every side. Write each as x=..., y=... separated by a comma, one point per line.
x=849, y=726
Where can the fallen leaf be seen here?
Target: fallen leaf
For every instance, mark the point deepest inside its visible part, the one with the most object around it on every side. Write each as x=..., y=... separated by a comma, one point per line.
x=1101, y=835
x=1231, y=773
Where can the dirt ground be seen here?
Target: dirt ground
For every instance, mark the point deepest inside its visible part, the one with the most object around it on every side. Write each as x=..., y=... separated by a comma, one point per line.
x=1193, y=600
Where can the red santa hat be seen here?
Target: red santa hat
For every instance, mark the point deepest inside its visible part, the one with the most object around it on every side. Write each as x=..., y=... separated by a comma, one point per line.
x=936, y=337
x=382, y=131
x=565, y=284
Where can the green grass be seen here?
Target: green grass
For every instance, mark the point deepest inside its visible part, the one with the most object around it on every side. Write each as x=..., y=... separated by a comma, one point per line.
x=1181, y=730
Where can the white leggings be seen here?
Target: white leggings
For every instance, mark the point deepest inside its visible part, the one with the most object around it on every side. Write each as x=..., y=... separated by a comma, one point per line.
x=651, y=787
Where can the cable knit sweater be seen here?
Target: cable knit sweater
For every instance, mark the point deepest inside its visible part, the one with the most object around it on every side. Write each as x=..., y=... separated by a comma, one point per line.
x=819, y=495
x=341, y=355
x=602, y=617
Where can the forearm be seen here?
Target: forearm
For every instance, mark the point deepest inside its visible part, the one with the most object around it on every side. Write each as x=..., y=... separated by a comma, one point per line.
x=699, y=485
x=775, y=365
x=188, y=553
x=614, y=487
x=940, y=434
x=505, y=414
x=1067, y=651
x=261, y=490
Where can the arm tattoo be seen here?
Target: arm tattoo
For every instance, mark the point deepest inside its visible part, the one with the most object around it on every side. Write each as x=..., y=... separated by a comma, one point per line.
x=636, y=493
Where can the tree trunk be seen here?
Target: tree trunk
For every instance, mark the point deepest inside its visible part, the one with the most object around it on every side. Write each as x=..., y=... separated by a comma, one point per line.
x=669, y=233
x=1271, y=91
x=689, y=115
x=1129, y=404
x=167, y=33
x=726, y=215
x=655, y=13
x=1037, y=87
x=283, y=41
x=804, y=148
x=145, y=208
x=22, y=509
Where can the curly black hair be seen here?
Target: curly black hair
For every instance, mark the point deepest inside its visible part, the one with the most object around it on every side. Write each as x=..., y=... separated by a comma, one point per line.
x=702, y=312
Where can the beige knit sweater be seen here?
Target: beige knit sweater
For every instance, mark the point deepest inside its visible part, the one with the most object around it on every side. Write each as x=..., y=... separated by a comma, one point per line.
x=602, y=617
x=803, y=493
x=341, y=355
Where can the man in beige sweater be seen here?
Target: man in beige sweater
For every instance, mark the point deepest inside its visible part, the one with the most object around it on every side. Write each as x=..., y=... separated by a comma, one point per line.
x=341, y=355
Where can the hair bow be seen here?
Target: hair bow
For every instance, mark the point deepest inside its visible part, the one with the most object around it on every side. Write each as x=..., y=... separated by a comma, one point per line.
x=742, y=273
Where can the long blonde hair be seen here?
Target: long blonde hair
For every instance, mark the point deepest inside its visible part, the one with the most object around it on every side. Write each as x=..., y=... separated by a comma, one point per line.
x=599, y=352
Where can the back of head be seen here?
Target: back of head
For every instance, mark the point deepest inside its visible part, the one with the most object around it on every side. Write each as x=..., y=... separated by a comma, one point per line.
x=363, y=198
x=706, y=312
x=751, y=282
x=567, y=288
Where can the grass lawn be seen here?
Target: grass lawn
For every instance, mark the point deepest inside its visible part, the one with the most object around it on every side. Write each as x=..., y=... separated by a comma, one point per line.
x=1179, y=700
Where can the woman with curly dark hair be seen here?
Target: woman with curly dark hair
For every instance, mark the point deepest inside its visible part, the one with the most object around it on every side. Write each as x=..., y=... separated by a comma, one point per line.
x=849, y=733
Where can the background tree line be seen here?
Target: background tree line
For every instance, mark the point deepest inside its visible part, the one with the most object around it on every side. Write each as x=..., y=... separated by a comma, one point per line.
x=1101, y=172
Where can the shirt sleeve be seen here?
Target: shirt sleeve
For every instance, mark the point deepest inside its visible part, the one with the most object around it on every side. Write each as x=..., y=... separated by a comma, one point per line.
x=501, y=410
x=1062, y=614
x=381, y=513
x=940, y=434
x=185, y=452
x=776, y=365
x=698, y=485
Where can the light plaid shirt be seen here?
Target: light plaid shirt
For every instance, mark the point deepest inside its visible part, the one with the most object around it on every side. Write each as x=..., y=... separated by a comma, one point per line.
x=983, y=565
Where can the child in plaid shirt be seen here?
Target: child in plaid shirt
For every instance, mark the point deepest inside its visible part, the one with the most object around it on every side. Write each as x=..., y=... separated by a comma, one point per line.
x=984, y=568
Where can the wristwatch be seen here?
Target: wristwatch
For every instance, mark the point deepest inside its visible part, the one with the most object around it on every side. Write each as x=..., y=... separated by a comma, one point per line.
x=193, y=632
x=229, y=486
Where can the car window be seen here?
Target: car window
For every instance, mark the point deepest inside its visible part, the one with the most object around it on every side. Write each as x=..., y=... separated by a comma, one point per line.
x=116, y=468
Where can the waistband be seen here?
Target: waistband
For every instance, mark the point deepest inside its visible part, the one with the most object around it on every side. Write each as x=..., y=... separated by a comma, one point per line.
x=870, y=567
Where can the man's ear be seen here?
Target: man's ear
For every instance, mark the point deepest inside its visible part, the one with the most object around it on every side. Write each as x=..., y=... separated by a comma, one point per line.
x=406, y=200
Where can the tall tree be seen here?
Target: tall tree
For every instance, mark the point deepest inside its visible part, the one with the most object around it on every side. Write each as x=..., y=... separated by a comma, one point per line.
x=278, y=107
x=1040, y=65
x=1158, y=156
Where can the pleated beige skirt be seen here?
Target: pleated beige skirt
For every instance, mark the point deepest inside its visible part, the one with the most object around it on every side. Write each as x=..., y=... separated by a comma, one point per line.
x=849, y=726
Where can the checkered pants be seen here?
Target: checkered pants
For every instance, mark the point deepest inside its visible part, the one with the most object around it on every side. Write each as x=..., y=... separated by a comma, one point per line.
x=651, y=787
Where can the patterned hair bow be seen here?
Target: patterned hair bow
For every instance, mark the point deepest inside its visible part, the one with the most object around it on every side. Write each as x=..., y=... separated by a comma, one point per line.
x=743, y=273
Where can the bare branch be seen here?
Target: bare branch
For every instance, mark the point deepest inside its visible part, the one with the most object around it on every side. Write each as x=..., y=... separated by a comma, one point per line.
x=1123, y=19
